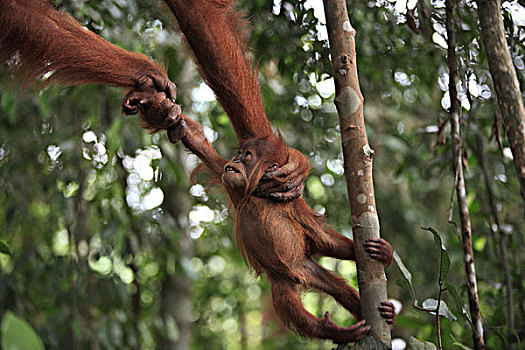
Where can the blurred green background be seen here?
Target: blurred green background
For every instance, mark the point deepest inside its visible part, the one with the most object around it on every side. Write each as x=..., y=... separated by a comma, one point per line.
x=106, y=244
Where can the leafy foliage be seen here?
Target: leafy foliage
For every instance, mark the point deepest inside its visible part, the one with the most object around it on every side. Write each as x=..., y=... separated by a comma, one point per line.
x=95, y=259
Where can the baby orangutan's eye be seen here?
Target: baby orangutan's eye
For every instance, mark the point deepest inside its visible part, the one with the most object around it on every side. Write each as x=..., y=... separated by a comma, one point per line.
x=274, y=166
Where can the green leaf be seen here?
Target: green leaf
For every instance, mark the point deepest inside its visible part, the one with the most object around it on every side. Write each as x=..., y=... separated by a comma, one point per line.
x=445, y=264
x=463, y=346
x=407, y=282
x=445, y=259
x=4, y=248
x=459, y=306
x=402, y=267
x=17, y=334
x=431, y=306
x=420, y=345
x=437, y=237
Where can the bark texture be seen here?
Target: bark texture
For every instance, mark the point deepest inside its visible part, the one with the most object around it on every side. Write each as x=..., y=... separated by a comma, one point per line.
x=505, y=81
x=461, y=191
x=358, y=165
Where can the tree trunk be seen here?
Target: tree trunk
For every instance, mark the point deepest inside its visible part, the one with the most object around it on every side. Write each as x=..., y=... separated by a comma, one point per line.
x=176, y=297
x=466, y=231
x=505, y=81
x=358, y=165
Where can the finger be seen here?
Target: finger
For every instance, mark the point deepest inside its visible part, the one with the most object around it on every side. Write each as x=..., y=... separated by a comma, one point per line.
x=289, y=170
x=171, y=91
x=160, y=81
x=383, y=241
x=129, y=109
x=282, y=171
x=278, y=185
x=386, y=309
x=288, y=196
x=174, y=135
x=173, y=116
x=267, y=185
x=358, y=325
x=373, y=247
x=283, y=187
x=295, y=166
x=372, y=244
x=381, y=258
x=388, y=314
x=130, y=105
x=144, y=83
x=362, y=331
x=178, y=131
x=377, y=257
x=373, y=250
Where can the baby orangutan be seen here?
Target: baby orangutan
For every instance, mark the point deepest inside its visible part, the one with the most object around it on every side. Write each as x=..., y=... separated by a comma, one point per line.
x=282, y=239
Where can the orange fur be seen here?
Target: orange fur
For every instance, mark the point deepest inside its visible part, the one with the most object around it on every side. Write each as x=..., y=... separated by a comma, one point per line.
x=36, y=39
x=215, y=34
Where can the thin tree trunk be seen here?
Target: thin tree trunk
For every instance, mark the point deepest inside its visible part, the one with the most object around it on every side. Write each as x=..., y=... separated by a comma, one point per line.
x=502, y=242
x=358, y=165
x=176, y=296
x=466, y=232
x=505, y=81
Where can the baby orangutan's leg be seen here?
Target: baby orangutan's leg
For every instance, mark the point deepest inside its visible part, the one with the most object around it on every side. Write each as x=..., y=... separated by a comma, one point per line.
x=334, y=285
x=287, y=304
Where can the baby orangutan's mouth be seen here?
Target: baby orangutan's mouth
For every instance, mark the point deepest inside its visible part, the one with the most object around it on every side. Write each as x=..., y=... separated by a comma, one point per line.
x=231, y=169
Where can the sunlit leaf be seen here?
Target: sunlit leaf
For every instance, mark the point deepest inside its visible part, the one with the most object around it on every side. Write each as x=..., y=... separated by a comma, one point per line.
x=4, y=248
x=17, y=334
x=402, y=267
x=407, y=282
x=431, y=306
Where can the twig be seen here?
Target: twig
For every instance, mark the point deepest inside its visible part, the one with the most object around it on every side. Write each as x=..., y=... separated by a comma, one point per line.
x=440, y=282
x=466, y=231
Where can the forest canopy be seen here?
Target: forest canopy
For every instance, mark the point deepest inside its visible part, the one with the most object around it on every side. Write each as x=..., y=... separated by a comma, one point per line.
x=106, y=242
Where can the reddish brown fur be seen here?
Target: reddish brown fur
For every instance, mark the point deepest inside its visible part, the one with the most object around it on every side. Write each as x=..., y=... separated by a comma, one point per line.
x=215, y=34
x=37, y=39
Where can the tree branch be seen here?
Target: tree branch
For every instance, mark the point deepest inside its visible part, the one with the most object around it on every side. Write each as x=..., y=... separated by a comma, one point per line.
x=461, y=192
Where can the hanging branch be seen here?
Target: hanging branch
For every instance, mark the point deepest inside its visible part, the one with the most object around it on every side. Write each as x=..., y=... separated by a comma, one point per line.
x=358, y=165
x=505, y=81
x=461, y=192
